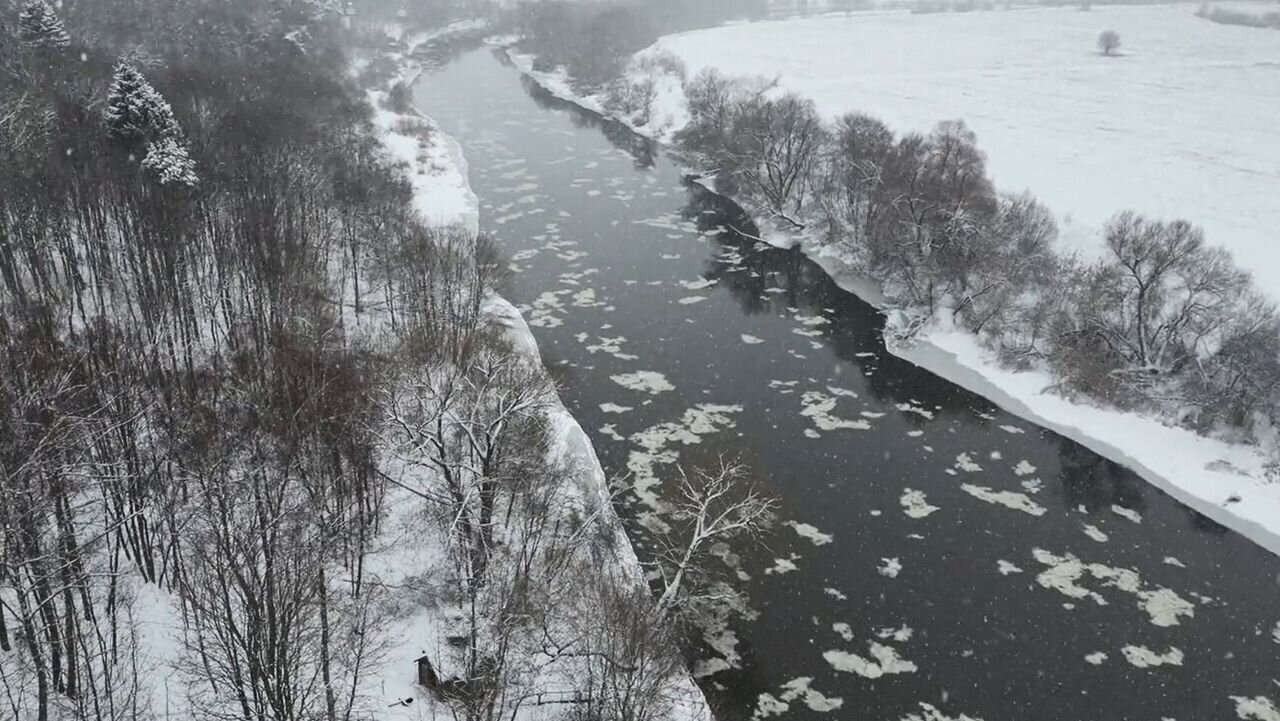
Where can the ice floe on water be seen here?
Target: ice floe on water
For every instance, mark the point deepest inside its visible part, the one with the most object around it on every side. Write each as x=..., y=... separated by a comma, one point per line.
x=884, y=660
x=835, y=593
x=1096, y=658
x=1012, y=429
x=699, y=284
x=1064, y=573
x=1143, y=657
x=751, y=340
x=1008, y=499
x=901, y=634
x=916, y=409
x=1092, y=531
x=1024, y=468
x=1006, y=568
x=1171, y=561
x=614, y=408
x=612, y=346
x=965, y=463
x=914, y=504
x=543, y=312
x=818, y=407
x=929, y=712
x=650, y=382
x=690, y=300
x=1130, y=514
x=782, y=566
x=890, y=567
x=1258, y=708
x=844, y=629
x=805, y=530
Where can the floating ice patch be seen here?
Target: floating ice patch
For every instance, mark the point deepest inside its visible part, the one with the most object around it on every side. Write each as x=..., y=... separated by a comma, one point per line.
x=804, y=530
x=1005, y=568
x=614, y=408
x=844, y=629
x=890, y=567
x=912, y=408
x=838, y=391
x=610, y=432
x=914, y=434
x=650, y=382
x=807, y=332
x=1163, y=606
x=1127, y=513
x=751, y=340
x=1275, y=632
x=767, y=705
x=818, y=407
x=886, y=661
x=1096, y=658
x=1092, y=531
x=542, y=312
x=782, y=566
x=709, y=666
x=871, y=414
x=1012, y=429
x=835, y=593
x=690, y=300
x=901, y=634
x=1258, y=708
x=586, y=298
x=914, y=504
x=1008, y=499
x=1033, y=485
x=810, y=433
x=966, y=463
x=931, y=713
x=1171, y=561
x=1143, y=657
x=1024, y=468
x=801, y=688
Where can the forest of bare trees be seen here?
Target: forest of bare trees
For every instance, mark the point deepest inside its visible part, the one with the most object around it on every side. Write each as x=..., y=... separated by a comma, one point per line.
x=254, y=420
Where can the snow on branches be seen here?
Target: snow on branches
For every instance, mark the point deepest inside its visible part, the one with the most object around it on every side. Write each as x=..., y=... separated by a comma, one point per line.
x=136, y=112
x=39, y=26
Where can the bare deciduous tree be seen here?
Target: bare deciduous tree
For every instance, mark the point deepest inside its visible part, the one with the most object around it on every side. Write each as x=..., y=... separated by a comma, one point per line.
x=1108, y=42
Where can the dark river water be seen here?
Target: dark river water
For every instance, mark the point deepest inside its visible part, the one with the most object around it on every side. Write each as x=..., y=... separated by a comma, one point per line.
x=932, y=549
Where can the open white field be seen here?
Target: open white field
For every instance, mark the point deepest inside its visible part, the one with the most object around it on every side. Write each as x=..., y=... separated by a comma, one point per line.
x=1184, y=123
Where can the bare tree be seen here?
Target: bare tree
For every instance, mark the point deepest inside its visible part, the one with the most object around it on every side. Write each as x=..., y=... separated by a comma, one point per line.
x=1108, y=42
x=714, y=505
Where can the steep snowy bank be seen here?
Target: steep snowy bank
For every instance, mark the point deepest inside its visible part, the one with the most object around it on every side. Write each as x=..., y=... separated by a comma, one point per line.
x=1225, y=481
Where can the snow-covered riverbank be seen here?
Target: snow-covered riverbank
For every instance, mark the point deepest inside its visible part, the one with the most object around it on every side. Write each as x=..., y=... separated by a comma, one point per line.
x=443, y=197
x=1225, y=481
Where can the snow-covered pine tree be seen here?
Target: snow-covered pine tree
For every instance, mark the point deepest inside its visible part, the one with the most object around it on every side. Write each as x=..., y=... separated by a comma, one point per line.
x=168, y=161
x=39, y=26
x=135, y=110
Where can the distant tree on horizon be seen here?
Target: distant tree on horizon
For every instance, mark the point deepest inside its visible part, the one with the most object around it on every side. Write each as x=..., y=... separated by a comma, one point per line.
x=1108, y=42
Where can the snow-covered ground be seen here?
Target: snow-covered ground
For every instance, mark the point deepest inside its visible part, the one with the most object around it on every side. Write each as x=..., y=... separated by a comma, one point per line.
x=1150, y=150
x=1180, y=124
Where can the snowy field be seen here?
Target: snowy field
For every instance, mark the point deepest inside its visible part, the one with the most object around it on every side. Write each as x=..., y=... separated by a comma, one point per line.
x=1182, y=123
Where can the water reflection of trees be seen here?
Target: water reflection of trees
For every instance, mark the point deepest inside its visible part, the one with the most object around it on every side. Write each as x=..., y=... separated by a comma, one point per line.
x=1095, y=483
x=643, y=151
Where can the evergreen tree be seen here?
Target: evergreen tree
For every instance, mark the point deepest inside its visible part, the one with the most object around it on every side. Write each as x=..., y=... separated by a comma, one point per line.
x=39, y=26
x=135, y=110
x=169, y=161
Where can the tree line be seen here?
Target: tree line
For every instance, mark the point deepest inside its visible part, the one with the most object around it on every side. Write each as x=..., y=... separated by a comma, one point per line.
x=1162, y=321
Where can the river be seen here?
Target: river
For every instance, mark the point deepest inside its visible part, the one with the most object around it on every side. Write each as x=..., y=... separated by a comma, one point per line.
x=931, y=549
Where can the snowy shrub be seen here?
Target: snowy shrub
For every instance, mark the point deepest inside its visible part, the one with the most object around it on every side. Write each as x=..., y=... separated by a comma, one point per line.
x=400, y=97
x=631, y=98
x=169, y=162
x=663, y=62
